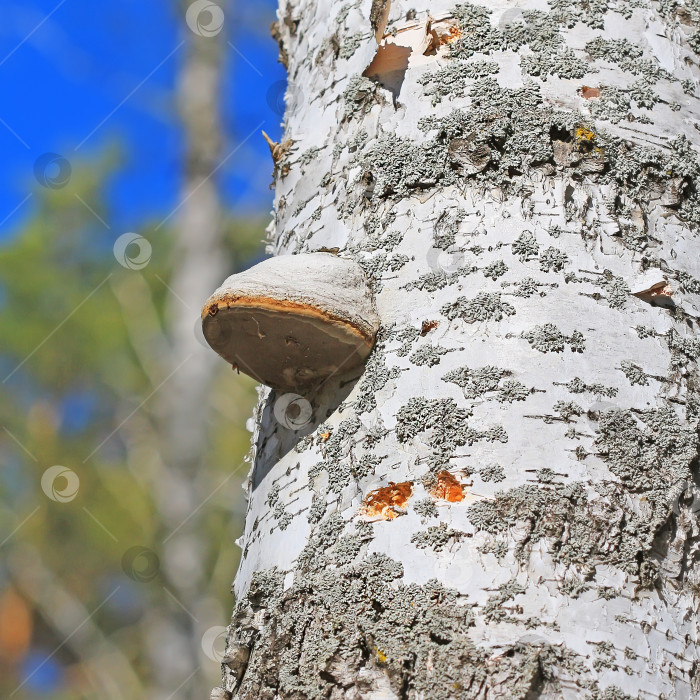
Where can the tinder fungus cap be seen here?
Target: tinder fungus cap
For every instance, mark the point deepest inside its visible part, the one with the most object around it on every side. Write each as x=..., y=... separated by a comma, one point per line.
x=292, y=321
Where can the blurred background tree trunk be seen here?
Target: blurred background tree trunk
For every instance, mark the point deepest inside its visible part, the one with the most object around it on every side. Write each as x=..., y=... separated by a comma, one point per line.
x=183, y=422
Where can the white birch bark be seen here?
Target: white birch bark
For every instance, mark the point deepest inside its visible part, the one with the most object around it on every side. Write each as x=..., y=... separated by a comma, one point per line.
x=524, y=196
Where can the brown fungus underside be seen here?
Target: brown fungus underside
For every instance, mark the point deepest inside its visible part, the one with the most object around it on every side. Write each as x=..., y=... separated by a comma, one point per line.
x=289, y=324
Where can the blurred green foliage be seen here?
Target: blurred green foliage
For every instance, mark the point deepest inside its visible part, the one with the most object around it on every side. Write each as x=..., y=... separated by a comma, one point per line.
x=72, y=378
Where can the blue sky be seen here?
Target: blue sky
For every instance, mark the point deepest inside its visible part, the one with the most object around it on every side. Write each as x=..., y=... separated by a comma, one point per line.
x=80, y=76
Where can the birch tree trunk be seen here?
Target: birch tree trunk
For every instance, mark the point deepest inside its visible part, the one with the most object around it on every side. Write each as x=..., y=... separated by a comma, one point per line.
x=504, y=504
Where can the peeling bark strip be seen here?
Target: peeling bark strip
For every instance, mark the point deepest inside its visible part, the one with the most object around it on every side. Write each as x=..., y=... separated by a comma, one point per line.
x=523, y=191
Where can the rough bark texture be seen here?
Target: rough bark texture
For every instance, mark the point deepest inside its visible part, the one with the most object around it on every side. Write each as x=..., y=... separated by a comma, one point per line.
x=504, y=504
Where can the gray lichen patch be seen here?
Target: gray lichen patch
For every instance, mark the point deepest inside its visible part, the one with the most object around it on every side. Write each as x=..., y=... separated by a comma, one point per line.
x=367, y=465
x=351, y=44
x=485, y=306
x=545, y=475
x=447, y=425
x=634, y=373
x=553, y=260
x=625, y=54
x=282, y=515
x=397, y=166
x=512, y=390
x=309, y=155
x=349, y=546
x=454, y=78
x=439, y=279
x=649, y=458
x=568, y=409
x=494, y=611
x=319, y=506
x=385, y=635
x=316, y=553
x=683, y=349
x=436, y=537
x=525, y=246
x=577, y=531
x=495, y=270
x=616, y=289
x=548, y=338
x=427, y=355
x=334, y=450
x=421, y=414
x=469, y=145
x=492, y=472
x=539, y=31
x=578, y=386
x=488, y=382
x=426, y=508
x=360, y=95
x=687, y=282
x=563, y=63
x=528, y=286
x=375, y=377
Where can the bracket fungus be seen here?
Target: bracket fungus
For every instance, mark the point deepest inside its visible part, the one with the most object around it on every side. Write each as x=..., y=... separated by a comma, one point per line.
x=293, y=321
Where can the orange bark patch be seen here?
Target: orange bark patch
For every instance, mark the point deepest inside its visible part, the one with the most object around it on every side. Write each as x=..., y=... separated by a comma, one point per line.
x=441, y=33
x=589, y=93
x=447, y=488
x=387, y=502
x=657, y=293
x=664, y=290
x=428, y=326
